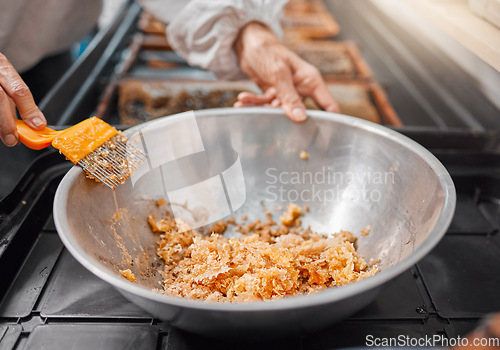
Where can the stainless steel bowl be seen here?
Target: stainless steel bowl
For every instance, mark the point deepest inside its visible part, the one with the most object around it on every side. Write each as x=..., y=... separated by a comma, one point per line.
x=378, y=177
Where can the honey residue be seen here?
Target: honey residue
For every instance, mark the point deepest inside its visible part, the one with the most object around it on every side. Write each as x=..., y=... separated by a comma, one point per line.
x=128, y=274
x=268, y=261
x=117, y=214
x=366, y=230
x=292, y=213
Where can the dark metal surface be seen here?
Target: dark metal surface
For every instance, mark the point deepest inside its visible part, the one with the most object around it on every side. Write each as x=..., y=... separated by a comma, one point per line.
x=74, y=292
x=9, y=335
x=92, y=336
x=22, y=295
x=400, y=301
x=460, y=276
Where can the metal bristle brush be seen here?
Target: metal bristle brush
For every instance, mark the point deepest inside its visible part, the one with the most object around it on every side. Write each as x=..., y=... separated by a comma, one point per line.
x=100, y=149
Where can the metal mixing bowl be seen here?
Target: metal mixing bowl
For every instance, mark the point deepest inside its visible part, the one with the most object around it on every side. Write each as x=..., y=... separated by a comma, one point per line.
x=409, y=207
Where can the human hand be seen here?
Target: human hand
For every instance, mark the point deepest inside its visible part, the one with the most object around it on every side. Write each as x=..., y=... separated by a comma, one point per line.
x=281, y=74
x=14, y=93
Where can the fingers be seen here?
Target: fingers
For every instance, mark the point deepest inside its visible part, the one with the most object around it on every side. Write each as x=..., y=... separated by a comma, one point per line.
x=324, y=98
x=8, y=130
x=16, y=89
x=286, y=93
x=307, y=82
x=275, y=103
x=310, y=83
x=282, y=93
x=249, y=98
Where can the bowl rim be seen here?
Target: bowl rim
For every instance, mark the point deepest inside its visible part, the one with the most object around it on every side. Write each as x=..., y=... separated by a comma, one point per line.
x=324, y=297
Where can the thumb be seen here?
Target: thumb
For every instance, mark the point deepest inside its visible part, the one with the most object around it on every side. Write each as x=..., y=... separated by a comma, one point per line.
x=290, y=99
x=296, y=111
x=293, y=106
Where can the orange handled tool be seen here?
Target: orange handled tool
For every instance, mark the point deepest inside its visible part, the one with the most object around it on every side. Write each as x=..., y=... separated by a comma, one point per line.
x=75, y=142
x=96, y=146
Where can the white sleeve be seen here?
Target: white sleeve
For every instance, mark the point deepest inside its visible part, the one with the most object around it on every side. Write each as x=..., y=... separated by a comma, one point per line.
x=205, y=30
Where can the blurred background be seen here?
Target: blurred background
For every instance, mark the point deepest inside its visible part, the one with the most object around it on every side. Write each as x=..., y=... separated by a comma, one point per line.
x=401, y=63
